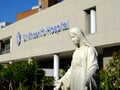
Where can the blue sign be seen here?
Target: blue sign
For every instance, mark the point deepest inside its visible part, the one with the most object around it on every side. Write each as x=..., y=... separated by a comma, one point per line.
x=44, y=32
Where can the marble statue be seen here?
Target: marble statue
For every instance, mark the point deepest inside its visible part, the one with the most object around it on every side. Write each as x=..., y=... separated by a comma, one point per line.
x=83, y=72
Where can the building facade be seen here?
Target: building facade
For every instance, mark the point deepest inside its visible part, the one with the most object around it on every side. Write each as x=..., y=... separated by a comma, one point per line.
x=44, y=36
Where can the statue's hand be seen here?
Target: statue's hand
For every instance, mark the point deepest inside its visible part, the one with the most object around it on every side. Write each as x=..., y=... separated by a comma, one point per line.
x=58, y=84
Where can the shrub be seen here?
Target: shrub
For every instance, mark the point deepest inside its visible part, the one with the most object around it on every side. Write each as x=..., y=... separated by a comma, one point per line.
x=110, y=76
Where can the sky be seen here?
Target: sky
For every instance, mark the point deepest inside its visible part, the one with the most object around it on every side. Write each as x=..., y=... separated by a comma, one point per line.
x=9, y=8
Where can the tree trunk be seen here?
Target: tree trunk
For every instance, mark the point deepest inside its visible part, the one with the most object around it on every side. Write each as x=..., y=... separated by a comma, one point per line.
x=42, y=85
x=20, y=85
x=10, y=86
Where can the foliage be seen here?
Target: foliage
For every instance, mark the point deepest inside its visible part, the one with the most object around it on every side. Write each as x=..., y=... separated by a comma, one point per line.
x=21, y=76
x=1, y=67
x=110, y=77
x=34, y=74
x=49, y=81
x=63, y=71
x=1, y=76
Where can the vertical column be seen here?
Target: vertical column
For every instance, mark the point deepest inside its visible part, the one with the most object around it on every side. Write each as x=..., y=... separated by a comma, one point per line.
x=92, y=21
x=11, y=44
x=56, y=67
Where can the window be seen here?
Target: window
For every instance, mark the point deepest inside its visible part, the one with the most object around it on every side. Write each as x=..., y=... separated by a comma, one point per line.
x=91, y=20
x=5, y=46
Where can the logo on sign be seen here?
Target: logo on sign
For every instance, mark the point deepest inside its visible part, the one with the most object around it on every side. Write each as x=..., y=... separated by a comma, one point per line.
x=18, y=39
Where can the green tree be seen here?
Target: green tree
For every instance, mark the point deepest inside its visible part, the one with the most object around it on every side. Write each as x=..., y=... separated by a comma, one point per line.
x=8, y=74
x=1, y=77
x=34, y=74
x=110, y=77
x=20, y=74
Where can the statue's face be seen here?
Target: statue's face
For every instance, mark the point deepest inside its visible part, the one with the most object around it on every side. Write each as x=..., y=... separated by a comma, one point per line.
x=75, y=38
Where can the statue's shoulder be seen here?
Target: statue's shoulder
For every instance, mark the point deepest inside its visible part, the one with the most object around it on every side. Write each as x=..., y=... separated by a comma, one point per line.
x=91, y=47
x=88, y=47
x=92, y=50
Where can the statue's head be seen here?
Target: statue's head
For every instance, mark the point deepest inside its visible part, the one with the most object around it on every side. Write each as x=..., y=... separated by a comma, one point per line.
x=74, y=36
x=78, y=37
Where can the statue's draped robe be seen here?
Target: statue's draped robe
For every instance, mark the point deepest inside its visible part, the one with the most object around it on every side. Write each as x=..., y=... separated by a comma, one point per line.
x=82, y=75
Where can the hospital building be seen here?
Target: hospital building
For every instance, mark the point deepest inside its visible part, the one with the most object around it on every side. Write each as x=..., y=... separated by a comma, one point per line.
x=42, y=33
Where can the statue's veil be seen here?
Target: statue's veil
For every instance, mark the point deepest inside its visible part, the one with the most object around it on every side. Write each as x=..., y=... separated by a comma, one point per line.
x=82, y=36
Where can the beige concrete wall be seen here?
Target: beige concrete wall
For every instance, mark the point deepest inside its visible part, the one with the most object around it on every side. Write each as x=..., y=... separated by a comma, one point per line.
x=108, y=15
x=108, y=28
x=106, y=61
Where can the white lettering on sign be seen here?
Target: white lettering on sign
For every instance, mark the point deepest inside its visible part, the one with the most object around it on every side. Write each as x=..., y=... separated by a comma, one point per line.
x=46, y=31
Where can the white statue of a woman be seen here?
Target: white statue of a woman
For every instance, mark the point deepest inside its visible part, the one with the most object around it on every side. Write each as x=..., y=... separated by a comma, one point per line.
x=83, y=72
